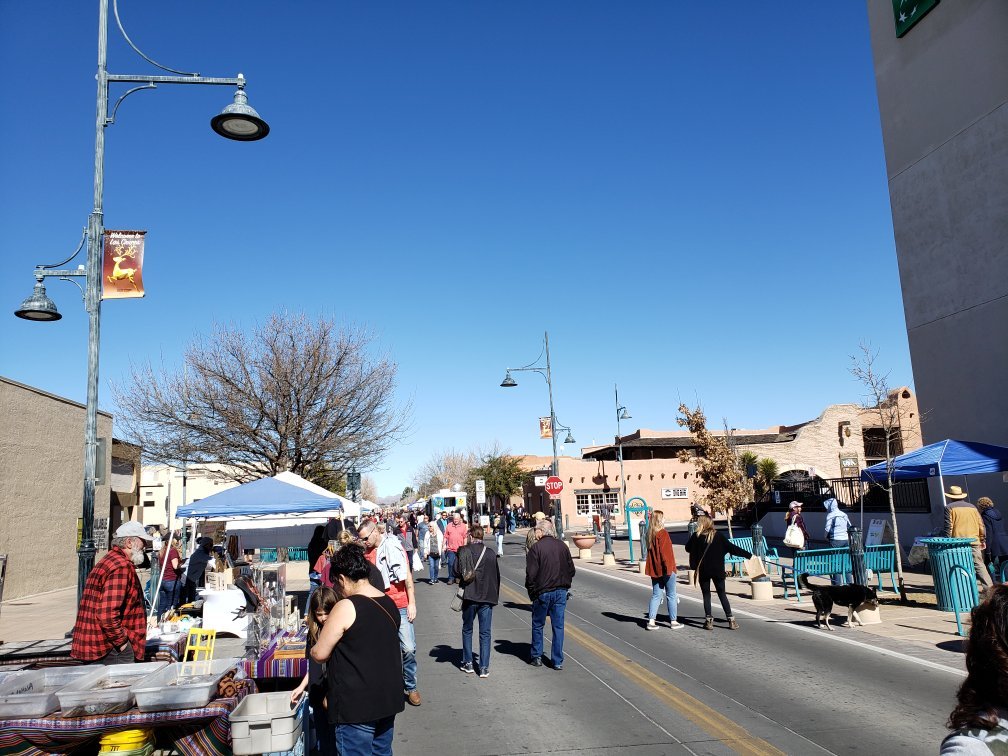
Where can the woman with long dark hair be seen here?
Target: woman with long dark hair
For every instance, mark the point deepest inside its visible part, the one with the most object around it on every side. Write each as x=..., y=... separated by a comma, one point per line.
x=980, y=719
x=707, y=549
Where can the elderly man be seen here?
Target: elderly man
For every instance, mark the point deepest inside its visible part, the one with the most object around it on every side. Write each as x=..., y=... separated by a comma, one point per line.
x=388, y=555
x=111, y=623
x=962, y=520
x=549, y=571
x=454, y=539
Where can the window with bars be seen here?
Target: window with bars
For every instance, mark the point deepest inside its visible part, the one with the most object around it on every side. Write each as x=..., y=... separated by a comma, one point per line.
x=592, y=502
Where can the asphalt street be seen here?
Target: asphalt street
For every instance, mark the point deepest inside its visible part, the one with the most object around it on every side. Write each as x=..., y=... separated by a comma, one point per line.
x=767, y=688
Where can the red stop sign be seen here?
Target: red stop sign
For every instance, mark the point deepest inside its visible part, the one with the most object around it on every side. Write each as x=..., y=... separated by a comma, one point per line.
x=554, y=486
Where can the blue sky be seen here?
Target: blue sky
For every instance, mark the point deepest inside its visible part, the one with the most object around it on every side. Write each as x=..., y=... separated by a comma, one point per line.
x=691, y=198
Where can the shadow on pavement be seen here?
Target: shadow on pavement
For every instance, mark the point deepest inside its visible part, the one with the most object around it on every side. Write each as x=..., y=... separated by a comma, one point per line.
x=958, y=645
x=521, y=651
x=520, y=607
x=446, y=655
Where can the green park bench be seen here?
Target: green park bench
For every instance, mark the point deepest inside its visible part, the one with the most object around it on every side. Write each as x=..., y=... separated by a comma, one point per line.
x=746, y=542
x=818, y=562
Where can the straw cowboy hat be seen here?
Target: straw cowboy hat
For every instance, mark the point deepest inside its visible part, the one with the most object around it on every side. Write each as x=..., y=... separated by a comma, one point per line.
x=955, y=493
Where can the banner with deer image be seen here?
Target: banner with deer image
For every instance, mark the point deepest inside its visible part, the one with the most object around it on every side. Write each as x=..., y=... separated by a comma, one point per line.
x=122, y=264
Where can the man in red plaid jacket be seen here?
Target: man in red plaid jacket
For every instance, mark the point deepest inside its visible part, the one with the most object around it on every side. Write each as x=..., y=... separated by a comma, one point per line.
x=111, y=623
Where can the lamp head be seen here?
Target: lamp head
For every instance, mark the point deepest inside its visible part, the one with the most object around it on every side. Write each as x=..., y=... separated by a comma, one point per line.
x=239, y=120
x=624, y=415
x=569, y=439
x=38, y=306
x=508, y=381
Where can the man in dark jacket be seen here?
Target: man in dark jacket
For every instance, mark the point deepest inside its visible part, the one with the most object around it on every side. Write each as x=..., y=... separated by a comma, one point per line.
x=549, y=571
x=479, y=596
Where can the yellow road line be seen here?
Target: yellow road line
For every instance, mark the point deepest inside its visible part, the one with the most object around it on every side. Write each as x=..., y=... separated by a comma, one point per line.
x=711, y=721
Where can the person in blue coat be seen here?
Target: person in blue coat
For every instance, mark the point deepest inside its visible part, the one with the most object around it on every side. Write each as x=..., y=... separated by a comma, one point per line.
x=997, y=540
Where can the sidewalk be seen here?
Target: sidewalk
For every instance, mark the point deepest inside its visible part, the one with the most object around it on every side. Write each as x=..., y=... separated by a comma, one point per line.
x=918, y=630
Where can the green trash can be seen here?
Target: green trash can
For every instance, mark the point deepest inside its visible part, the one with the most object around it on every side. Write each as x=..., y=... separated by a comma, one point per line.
x=954, y=576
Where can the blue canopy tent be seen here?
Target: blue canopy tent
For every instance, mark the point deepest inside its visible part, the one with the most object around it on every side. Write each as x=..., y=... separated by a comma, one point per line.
x=948, y=457
x=263, y=498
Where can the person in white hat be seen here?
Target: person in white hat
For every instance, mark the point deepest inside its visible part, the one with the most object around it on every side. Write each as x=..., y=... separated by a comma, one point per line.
x=962, y=520
x=111, y=625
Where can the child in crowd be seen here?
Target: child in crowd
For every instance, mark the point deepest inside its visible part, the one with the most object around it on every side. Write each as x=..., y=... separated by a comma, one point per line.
x=322, y=739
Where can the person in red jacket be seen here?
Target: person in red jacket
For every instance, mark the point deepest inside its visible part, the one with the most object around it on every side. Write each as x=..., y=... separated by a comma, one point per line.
x=111, y=625
x=661, y=568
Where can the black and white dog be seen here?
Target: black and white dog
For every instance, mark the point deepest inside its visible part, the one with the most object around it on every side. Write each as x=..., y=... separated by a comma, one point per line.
x=826, y=596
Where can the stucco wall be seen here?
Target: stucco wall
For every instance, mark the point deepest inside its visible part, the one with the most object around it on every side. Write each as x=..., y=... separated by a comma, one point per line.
x=942, y=93
x=41, y=485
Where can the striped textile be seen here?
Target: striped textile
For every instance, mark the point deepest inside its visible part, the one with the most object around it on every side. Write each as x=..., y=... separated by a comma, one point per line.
x=268, y=666
x=194, y=732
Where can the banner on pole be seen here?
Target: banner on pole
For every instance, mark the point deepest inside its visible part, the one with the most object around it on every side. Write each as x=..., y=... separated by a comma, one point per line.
x=545, y=427
x=122, y=264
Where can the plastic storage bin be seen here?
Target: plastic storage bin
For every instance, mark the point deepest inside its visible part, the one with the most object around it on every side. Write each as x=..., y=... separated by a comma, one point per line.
x=188, y=685
x=32, y=694
x=266, y=723
x=107, y=690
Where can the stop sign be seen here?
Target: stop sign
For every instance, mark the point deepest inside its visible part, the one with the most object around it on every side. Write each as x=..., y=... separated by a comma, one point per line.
x=554, y=486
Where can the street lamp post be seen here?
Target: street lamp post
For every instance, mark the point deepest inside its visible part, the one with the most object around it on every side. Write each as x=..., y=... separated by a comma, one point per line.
x=621, y=414
x=510, y=382
x=237, y=121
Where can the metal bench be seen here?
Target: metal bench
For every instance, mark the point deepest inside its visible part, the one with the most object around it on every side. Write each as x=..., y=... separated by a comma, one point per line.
x=746, y=542
x=297, y=554
x=881, y=559
x=268, y=555
x=819, y=562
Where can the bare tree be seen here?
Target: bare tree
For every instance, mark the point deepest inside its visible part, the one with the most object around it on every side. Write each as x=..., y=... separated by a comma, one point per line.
x=292, y=394
x=443, y=470
x=717, y=466
x=368, y=489
x=884, y=403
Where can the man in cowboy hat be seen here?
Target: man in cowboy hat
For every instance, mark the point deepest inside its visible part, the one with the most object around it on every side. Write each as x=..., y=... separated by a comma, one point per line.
x=962, y=520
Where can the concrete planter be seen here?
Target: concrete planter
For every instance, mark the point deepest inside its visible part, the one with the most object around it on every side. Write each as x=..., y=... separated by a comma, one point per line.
x=584, y=545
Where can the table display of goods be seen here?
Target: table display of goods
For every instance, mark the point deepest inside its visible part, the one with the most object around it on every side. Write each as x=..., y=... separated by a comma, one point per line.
x=106, y=690
x=32, y=694
x=186, y=685
x=265, y=722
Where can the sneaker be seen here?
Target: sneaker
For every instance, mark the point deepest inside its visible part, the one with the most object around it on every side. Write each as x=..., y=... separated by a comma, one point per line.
x=708, y=623
x=537, y=662
x=484, y=672
x=558, y=668
x=675, y=625
x=413, y=697
x=732, y=624
x=466, y=667
x=651, y=625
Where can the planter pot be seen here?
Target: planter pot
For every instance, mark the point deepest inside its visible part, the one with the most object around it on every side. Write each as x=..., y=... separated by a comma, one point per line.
x=583, y=541
x=762, y=590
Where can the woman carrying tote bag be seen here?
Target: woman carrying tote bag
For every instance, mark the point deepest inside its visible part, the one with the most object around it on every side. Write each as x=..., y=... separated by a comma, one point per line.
x=796, y=537
x=661, y=568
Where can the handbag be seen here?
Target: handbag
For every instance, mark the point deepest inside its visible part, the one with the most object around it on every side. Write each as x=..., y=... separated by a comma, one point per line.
x=694, y=577
x=456, y=602
x=754, y=567
x=469, y=575
x=794, y=537
x=417, y=562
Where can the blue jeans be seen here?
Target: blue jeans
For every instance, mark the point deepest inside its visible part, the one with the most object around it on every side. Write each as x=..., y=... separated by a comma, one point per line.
x=314, y=583
x=167, y=596
x=407, y=643
x=553, y=604
x=435, y=567
x=470, y=611
x=840, y=578
x=365, y=739
x=450, y=564
x=663, y=585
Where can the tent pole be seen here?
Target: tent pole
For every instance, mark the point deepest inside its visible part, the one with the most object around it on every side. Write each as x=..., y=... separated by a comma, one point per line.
x=171, y=537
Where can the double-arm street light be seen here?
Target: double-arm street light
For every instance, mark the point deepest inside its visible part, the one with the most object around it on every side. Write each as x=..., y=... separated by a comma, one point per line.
x=621, y=414
x=237, y=121
x=509, y=382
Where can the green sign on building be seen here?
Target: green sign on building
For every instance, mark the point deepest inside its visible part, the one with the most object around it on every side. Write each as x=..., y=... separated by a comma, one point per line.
x=909, y=12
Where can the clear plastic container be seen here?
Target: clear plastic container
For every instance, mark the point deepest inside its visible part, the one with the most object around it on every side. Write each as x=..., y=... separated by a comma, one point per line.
x=108, y=690
x=30, y=695
x=188, y=685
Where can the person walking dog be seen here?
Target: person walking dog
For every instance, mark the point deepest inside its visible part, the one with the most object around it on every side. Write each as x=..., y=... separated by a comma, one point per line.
x=661, y=568
x=707, y=549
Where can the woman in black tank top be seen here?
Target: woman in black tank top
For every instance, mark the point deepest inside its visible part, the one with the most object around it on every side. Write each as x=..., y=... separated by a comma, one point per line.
x=360, y=645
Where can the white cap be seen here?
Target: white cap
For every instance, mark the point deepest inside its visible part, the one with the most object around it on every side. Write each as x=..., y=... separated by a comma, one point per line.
x=132, y=529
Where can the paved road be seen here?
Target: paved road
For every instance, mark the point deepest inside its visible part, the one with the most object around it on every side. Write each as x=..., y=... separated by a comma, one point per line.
x=765, y=689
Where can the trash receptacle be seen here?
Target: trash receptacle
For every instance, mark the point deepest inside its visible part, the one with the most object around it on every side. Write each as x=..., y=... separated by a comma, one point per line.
x=951, y=562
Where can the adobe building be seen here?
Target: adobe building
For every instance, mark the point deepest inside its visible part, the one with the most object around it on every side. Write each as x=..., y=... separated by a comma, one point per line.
x=941, y=73
x=829, y=450
x=161, y=490
x=41, y=487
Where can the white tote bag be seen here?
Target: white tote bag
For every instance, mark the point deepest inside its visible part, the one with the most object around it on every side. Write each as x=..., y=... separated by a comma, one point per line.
x=794, y=538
